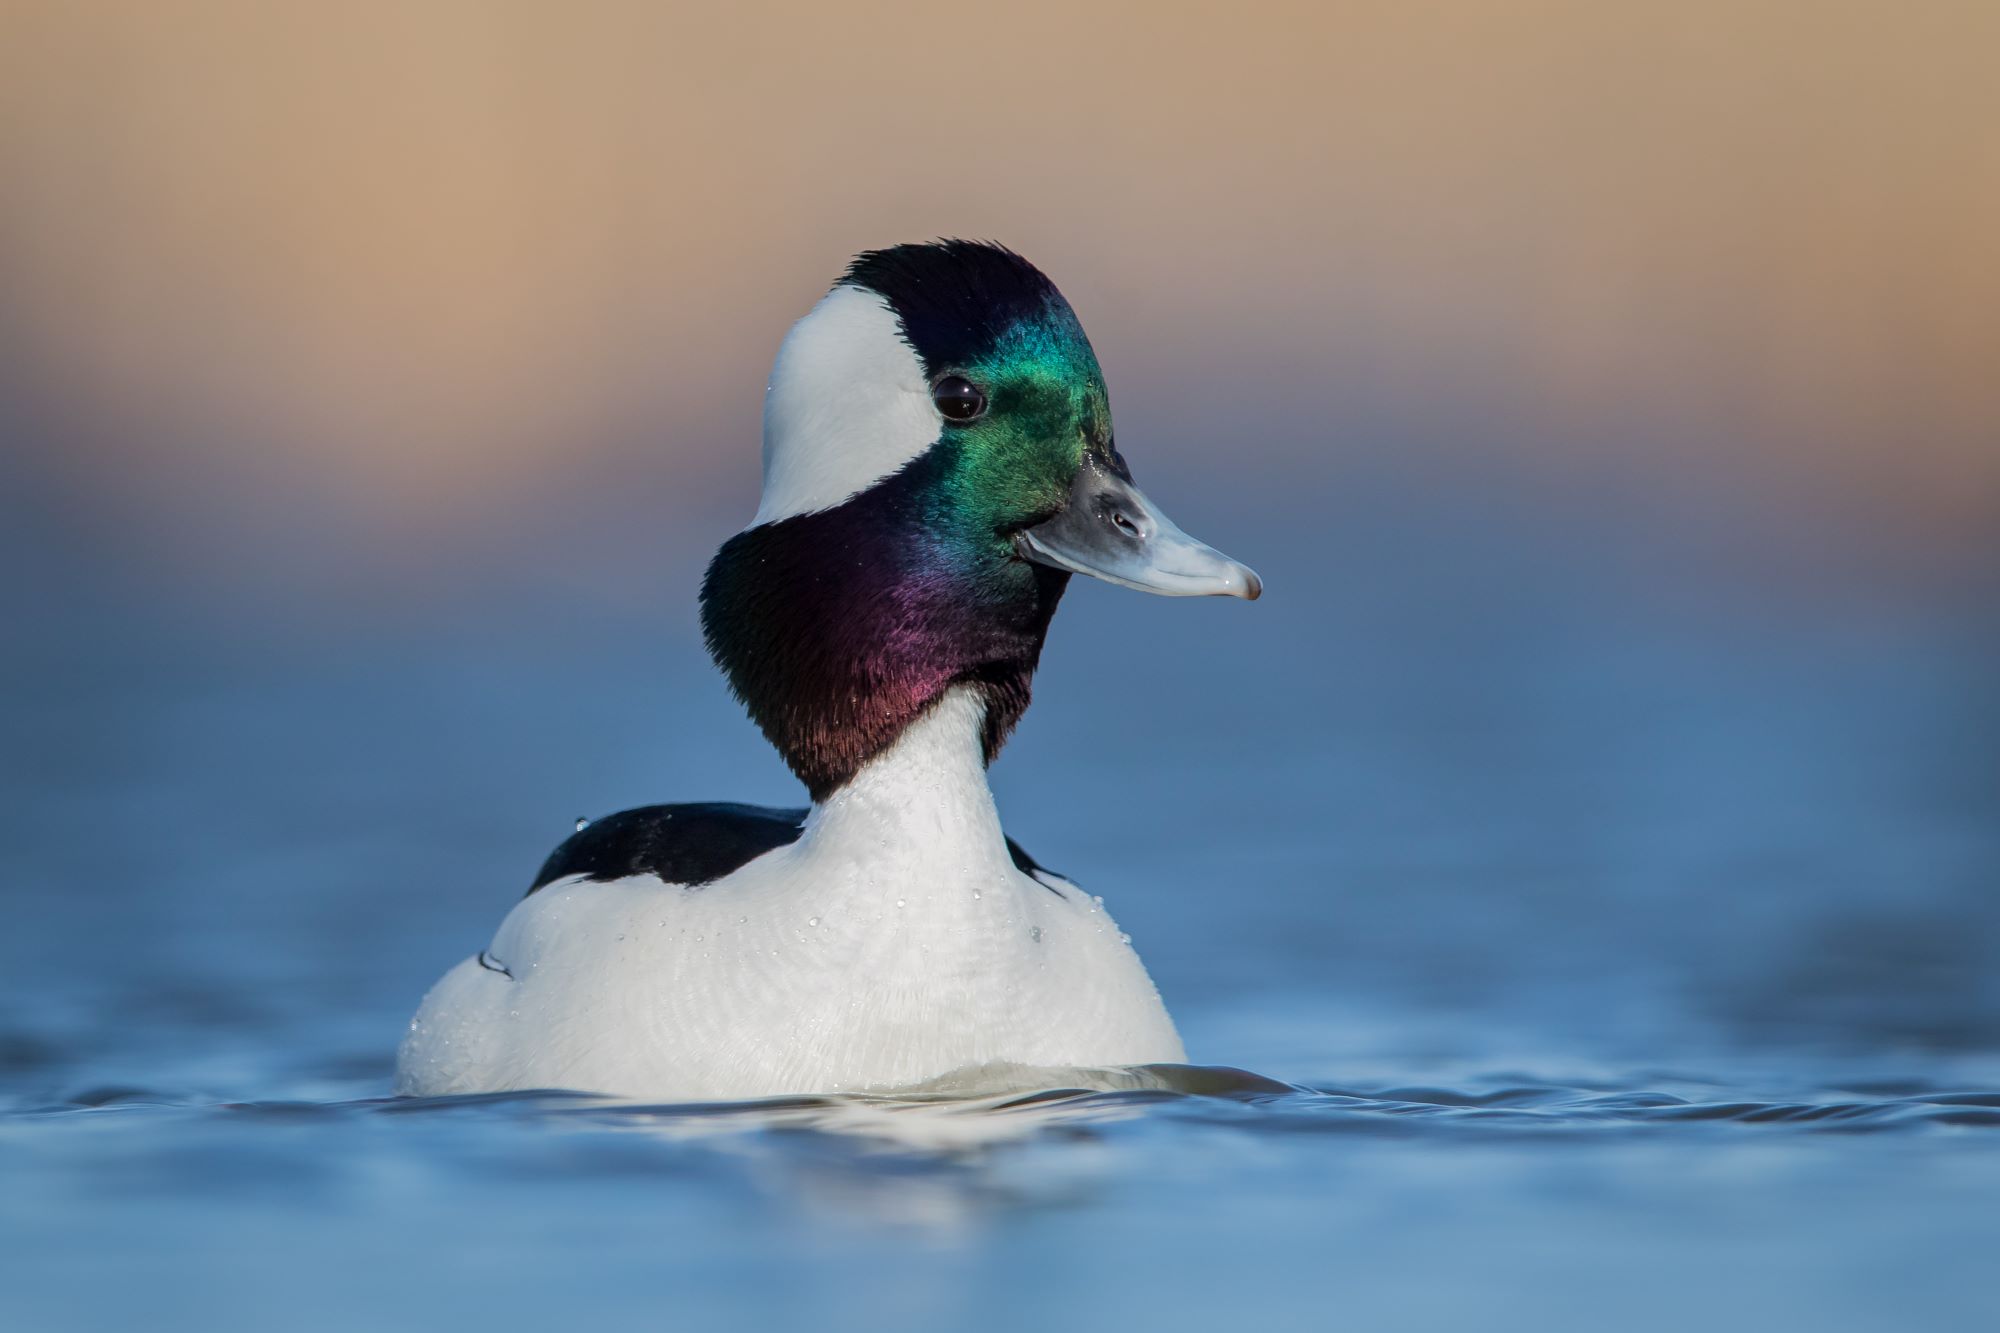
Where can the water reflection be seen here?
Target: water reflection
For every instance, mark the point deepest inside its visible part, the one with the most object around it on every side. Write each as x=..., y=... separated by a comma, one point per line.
x=1201, y=1194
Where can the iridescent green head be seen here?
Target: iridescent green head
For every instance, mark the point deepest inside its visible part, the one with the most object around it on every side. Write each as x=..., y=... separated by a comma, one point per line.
x=1021, y=409
x=938, y=458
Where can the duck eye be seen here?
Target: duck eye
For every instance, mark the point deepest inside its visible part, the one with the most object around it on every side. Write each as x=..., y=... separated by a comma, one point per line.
x=958, y=398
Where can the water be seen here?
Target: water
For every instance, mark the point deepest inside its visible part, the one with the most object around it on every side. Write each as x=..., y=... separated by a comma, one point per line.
x=1606, y=956
x=1496, y=1201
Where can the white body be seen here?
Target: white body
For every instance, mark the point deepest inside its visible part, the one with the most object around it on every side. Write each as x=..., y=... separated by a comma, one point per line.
x=893, y=944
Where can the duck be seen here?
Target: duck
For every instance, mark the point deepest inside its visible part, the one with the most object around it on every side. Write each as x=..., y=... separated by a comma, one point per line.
x=938, y=462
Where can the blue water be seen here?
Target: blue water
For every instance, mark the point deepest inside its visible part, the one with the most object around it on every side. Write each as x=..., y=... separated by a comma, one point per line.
x=1610, y=947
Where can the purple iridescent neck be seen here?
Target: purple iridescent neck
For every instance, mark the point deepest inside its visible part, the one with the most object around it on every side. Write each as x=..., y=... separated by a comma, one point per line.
x=837, y=629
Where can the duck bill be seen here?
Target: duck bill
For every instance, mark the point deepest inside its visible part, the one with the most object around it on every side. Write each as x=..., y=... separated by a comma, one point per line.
x=1111, y=531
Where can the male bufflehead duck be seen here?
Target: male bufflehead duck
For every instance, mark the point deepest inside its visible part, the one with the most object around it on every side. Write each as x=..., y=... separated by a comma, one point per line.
x=938, y=460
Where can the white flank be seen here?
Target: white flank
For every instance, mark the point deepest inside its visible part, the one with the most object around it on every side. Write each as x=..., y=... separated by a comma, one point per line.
x=893, y=943
x=847, y=405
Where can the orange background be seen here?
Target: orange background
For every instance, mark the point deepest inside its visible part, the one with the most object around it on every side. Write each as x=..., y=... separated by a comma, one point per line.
x=387, y=273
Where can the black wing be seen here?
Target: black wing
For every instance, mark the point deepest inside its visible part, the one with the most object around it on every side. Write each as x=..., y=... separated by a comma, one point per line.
x=1032, y=868
x=687, y=844
x=682, y=844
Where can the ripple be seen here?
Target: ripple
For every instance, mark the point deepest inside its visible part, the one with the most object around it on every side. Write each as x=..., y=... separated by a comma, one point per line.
x=1219, y=1094
x=944, y=1116
x=1641, y=1178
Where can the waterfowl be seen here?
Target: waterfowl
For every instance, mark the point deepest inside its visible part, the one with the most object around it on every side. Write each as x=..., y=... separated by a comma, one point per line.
x=938, y=461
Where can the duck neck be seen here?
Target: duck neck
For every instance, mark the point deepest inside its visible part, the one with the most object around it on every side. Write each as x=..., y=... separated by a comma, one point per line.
x=923, y=802
x=844, y=629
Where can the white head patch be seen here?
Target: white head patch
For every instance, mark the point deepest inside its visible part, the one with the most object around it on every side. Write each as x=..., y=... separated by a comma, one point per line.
x=847, y=405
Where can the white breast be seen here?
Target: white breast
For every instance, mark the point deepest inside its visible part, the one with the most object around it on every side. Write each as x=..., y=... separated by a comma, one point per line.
x=893, y=944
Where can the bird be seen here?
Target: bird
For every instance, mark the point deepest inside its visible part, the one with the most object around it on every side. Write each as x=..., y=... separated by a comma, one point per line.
x=938, y=461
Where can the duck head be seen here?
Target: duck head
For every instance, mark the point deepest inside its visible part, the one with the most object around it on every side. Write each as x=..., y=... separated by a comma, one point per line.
x=938, y=460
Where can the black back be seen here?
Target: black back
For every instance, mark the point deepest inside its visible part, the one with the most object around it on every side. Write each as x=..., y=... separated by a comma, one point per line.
x=688, y=845
x=682, y=844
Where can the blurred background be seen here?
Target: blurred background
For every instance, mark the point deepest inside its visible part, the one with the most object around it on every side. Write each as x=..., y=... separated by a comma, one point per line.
x=1607, y=395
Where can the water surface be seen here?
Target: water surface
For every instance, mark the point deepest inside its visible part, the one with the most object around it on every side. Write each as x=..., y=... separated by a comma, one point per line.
x=1606, y=957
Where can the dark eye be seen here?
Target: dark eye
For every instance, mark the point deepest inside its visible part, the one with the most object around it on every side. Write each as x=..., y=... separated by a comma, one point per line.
x=958, y=398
